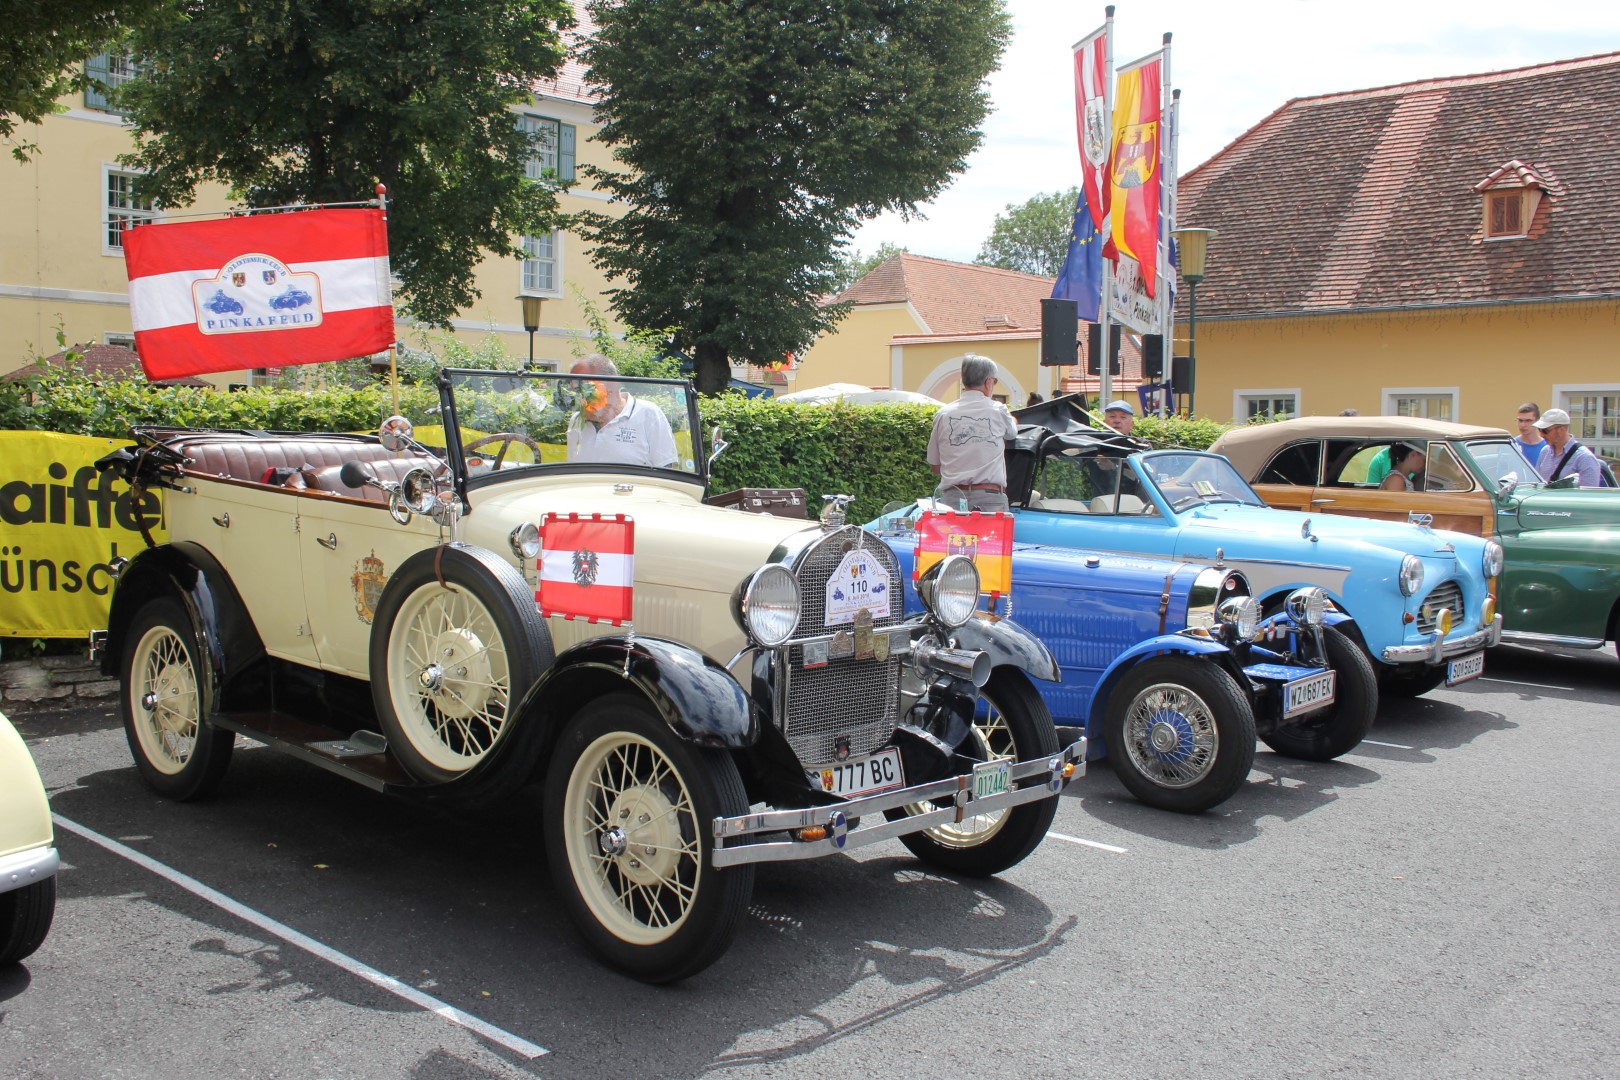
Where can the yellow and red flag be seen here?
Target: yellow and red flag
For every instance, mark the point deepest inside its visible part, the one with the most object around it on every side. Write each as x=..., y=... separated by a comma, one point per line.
x=1135, y=164
x=984, y=538
x=587, y=567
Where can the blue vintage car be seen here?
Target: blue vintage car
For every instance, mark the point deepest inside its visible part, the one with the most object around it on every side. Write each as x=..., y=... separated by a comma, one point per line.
x=1423, y=600
x=220, y=304
x=290, y=300
x=1169, y=666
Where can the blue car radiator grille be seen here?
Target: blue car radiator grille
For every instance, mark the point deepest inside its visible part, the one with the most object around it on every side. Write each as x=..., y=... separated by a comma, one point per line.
x=1447, y=594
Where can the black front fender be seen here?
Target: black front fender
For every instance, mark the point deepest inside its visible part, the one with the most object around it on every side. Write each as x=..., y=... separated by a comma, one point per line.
x=1008, y=644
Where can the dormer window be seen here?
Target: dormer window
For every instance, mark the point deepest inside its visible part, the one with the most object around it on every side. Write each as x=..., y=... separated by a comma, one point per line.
x=1511, y=196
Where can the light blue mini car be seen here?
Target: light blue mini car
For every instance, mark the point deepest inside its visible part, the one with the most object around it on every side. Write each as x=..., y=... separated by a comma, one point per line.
x=1422, y=600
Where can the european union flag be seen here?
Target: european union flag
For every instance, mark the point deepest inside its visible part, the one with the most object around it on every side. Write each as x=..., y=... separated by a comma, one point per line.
x=1081, y=277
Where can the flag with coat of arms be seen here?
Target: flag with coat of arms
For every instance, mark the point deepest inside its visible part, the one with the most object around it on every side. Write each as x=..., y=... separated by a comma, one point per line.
x=587, y=567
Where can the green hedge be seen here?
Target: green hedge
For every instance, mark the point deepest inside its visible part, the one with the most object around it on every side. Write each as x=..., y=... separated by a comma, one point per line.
x=877, y=453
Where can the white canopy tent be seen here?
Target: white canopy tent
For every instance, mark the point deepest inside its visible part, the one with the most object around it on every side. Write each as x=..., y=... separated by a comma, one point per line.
x=854, y=394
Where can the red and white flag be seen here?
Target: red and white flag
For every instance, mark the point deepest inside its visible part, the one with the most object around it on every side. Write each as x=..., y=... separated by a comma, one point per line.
x=266, y=290
x=1091, y=119
x=587, y=567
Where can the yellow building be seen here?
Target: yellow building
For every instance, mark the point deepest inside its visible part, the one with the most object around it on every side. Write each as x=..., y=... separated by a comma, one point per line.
x=1447, y=248
x=61, y=256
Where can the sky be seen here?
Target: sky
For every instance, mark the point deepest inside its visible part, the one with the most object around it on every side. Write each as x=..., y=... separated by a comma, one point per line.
x=1234, y=64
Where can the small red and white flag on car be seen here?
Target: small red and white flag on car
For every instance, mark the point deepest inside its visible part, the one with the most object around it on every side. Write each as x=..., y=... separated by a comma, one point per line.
x=263, y=291
x=587, y=567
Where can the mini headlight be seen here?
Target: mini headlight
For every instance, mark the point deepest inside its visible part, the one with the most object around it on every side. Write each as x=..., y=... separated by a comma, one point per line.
x=1493, y=559
x=1442, y=622
x=1240, y=615
x=770, y=604
x=1411, y=575
x=525, y=541
x=1487, y=613
x=949, y=591
x=1305, y=606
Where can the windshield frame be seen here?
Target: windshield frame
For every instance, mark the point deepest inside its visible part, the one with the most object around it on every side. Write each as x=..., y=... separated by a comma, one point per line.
x=1529, y=481
x=1242, y=494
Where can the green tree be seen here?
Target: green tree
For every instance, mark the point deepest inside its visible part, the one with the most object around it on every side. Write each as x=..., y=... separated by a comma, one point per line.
x=852, y=265
x=750, y=138
x=319, y=100
x=1032, y=237
x=42, y=53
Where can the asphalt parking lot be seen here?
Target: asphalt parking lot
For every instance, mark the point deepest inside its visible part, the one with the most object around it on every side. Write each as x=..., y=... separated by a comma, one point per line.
x=1441, y=902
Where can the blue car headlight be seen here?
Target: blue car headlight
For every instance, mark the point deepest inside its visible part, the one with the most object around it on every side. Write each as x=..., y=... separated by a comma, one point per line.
x=1411, y=575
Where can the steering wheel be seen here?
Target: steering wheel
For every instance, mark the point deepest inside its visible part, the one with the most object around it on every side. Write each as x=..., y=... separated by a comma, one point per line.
x=506, y=439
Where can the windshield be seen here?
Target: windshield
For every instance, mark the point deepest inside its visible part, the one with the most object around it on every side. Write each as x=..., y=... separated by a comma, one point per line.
x=1187, y=478
x=1502, y=460
x=524, y=420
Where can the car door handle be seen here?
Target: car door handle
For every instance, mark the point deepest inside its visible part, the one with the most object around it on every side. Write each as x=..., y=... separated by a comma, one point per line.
x=1322, y=502
x=329, y=541
x=223, y=521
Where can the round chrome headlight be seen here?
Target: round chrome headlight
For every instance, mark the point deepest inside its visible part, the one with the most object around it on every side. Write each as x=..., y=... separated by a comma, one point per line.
x=949, y=591
x=1493, y=559
x=1240, y=616
x=525, y=541
x=1411, y=575
x=770, y=604
x=1305, y=606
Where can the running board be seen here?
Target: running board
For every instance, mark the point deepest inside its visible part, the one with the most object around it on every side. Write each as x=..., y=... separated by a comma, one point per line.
x=1521, y=637
x=362, y=757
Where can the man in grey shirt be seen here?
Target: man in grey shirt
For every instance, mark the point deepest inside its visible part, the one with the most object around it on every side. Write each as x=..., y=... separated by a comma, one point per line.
x=967, y=447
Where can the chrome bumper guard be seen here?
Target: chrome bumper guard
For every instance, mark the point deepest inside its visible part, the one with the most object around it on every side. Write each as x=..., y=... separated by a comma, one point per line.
x=27, y=867
x=836, y=818
x=1440, y=649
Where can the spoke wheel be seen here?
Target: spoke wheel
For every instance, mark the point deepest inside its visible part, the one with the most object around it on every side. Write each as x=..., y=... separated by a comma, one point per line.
x=459, y=644
x=165, y=706
x=1336, y=729
x=628, y=807
x=1015, y=723
x=1179, y=733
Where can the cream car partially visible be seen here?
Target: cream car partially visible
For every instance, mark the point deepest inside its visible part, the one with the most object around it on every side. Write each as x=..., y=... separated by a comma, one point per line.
x=28, y=858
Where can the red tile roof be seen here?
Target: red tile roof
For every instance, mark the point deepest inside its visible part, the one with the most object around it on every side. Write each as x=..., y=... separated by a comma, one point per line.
x=109, y=361
x=1370, y=198
x=953, y=297
x=571, y=82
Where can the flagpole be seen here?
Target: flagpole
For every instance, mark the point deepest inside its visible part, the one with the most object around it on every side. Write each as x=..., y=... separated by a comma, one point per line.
x=1169, y=188
x=393, y=348
x=1105, y=380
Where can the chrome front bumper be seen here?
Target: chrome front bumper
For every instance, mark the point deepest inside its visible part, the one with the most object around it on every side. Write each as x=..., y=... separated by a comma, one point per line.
x=957, y=790
x=1440, y=649
x=26, y=867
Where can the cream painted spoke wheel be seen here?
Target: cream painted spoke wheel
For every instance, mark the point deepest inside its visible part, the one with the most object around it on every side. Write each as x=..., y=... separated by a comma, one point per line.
x=449, y=676
x=164, y=700
x=995, y=741
x=631, y=834
x=1171, y=735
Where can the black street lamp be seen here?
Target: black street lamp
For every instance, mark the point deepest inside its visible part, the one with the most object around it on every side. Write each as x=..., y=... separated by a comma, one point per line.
x=531, y=321
x=1192, y=250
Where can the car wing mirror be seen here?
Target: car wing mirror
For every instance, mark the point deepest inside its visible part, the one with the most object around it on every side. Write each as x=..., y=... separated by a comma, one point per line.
x=1506, y=486
x=395, y=434
x=717, y=443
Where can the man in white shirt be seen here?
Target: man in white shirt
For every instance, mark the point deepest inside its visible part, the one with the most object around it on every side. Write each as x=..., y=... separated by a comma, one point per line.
x=614, y=427
x=1564, y=456
x=967, y=447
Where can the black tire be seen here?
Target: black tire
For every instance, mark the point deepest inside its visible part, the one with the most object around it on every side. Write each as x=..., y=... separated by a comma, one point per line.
x=451, y=661
x=659, y=911
x=1202, y=720
x=25, y=919
x=1335, y=730
x=166, y=695
x=1017, y=725
x=1411, y=680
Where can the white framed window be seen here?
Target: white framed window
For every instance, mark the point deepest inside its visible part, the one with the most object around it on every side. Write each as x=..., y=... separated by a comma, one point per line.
x=114, y=337
x=1277, y=404
x=542, y=269
x=1427, y=402
x=120, y=208
x=553, y=155
x=1594, y=415
x=109, y=70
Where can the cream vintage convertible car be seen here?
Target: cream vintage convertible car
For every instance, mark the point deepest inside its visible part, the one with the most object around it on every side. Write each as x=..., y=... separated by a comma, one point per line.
x=770, y=699
x=28, y=858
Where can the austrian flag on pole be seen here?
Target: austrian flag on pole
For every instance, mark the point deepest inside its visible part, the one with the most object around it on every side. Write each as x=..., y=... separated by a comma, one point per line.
x=587, y=567
x=266, y=290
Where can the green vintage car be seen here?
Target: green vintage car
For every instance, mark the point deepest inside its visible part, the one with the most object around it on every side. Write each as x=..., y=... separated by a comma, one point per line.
x=1561, y=585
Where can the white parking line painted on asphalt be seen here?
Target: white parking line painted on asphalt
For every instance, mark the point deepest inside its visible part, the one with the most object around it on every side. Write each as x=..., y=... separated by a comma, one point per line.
x=1086, y=843
x=1391, y=745
x=308, y=944
x=1520, y=682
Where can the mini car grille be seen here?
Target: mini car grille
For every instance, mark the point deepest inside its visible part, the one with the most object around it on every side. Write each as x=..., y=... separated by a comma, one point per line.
x=1447, y=594
x=847, y=699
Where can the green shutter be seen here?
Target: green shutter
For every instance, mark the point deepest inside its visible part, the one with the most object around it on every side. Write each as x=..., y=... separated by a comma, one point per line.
x=95, y=69
x=565, y=151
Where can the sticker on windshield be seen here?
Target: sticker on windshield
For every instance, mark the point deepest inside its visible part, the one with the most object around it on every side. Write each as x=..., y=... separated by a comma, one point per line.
x=1205, y=487
x=861, y=583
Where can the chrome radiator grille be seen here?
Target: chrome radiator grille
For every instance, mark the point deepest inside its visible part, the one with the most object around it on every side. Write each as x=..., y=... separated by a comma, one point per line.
x=1447, y=594
x=850, y=699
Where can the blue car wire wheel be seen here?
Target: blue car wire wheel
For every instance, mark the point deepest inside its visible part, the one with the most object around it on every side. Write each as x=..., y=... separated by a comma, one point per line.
x=1179, y=733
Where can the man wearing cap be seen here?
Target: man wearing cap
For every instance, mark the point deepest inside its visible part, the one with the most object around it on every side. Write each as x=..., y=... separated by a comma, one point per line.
x=1564, y=456
x=967, y=446
x=1120, y=416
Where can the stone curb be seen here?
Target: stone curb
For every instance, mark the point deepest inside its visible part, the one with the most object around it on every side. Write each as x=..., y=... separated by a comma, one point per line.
x=52, y=680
